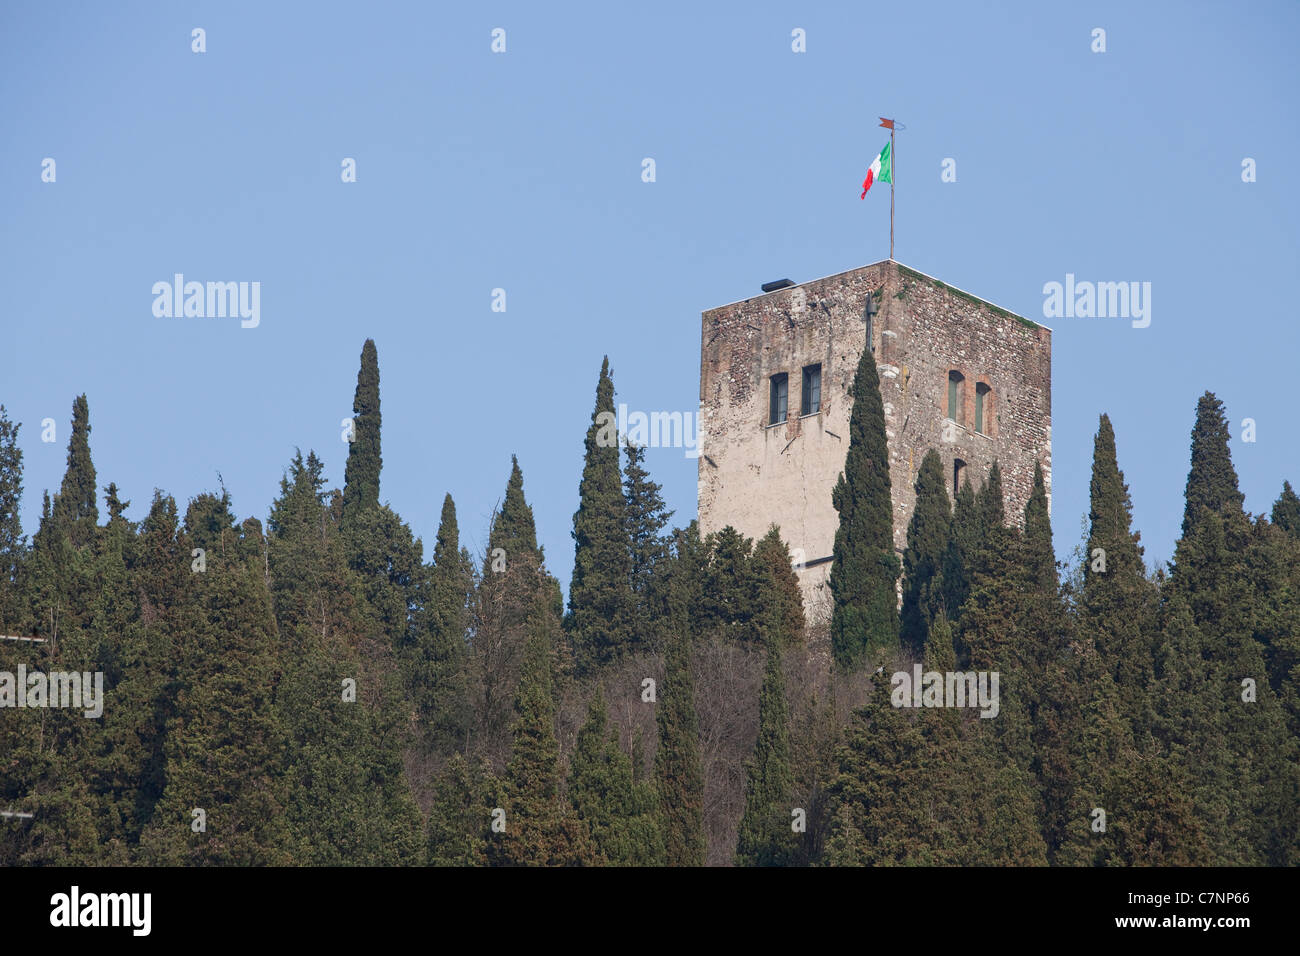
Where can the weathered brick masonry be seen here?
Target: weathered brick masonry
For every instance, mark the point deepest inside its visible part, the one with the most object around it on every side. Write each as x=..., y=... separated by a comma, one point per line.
x=752, y=474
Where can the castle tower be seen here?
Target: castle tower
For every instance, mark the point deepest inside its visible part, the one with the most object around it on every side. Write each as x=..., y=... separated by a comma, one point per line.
x=957, y=374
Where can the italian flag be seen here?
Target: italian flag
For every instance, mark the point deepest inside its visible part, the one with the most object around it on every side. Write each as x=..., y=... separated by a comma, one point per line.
x=881, y=171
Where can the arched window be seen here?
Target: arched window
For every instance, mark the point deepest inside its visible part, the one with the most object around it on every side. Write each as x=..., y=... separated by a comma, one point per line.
x=982, y=404
x=956, y=395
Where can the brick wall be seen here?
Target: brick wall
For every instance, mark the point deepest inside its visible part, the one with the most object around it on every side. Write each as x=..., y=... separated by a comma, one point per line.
x=752, y=475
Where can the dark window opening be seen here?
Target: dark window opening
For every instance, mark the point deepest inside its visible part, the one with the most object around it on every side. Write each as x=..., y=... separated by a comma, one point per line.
x=810, y=401
x=956, y=395
x=958, y=475
x=780, y=395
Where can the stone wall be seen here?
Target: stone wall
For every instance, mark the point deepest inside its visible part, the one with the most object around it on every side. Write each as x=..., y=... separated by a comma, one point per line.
x=753, y=475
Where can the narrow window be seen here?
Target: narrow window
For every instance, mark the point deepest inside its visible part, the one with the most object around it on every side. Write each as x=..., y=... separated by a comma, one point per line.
x=810, y=402
x=981, y=390
x=958, y=475
x=780, y=397
x=955, y=396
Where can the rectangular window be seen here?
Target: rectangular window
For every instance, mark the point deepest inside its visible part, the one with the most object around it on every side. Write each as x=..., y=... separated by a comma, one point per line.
x=952, y=398
x=811, y=399
x=780, y=398
x=979, y=408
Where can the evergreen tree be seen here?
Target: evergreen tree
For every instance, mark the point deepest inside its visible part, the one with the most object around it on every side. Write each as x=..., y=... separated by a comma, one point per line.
x=13, y=543
x=765, y=836
x=619, y=812
x=1212, y=481
x=780, y=616
x=513, y=530
x=74, y=506
x=439, y=668
x=224, y=742
x=967, y=534
x=1286, y=511
x=600, y=596
x=460, y=816
x=731, y=585
x=361, y=475
x=647, y=517
x=679, y=773
x=865, y=568
x=1038, y=535
x=537, y=830
x=1117, y=604
x=928, y=535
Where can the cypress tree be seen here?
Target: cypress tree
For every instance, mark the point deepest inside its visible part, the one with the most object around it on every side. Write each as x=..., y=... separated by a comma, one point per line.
x=74, y=506
x=460, y=815
x=765, y=837
x=225, y=740
x=780, y=616
x=967, y=533
x=1038, y=535
x=731, y=585
x=928, y=536
x=13, y=543
x=536, y=830
x=513, y=530
x=1117, y=605
x=439, y=669
x=1212, y=481
x=361, y=474
x=600, y=596
x=1286, y=511
x=679, y=772
x=647, y=516
x=619, y=812
x=865, y=568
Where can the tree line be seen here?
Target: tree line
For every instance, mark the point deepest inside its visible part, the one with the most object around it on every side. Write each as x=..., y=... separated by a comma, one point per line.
x=313, y=691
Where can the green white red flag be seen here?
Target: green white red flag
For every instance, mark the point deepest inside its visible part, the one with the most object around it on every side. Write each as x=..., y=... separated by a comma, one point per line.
x=881, y=171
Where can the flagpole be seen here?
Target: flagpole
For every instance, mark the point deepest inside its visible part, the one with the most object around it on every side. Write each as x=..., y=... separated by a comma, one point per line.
x=893, y=169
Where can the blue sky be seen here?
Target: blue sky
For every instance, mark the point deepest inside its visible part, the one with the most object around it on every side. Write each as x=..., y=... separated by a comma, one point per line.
x=522, y=171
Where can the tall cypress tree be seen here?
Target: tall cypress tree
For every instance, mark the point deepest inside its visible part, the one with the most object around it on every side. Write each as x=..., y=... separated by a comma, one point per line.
x=928, y=535
x=1117, y=605
x=13, y=543
x=361, y=474
x=765, y=837
x=966, y=536
x=600, y=596
x=647, y=516
x=1212, y=481
x=439, y=669
x=780, y=616
x=537, y=830
x=513, y=529
x=865, y=568
x=74, y=507
x=1038, y=534
x=679, y=773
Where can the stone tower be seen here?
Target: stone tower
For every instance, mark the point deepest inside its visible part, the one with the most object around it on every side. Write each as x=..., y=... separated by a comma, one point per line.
x=957, y=374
